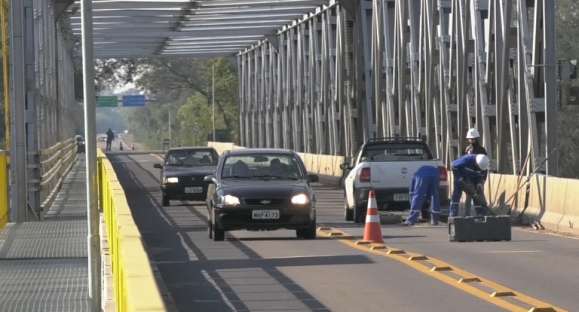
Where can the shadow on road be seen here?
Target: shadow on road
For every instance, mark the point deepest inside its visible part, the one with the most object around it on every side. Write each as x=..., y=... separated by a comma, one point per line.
x=242, y=282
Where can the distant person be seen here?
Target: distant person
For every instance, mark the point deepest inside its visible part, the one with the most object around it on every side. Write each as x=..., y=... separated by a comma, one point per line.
x=474, y=146
x=110, y=138
x=121, y=146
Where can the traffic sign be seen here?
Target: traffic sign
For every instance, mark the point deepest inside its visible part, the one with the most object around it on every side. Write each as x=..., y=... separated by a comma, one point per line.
x=107, y=101
x=133, y=100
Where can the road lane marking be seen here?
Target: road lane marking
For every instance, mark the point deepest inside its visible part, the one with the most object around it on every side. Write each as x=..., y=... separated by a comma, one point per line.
x=549, y=233
x=512, y=251
x=496, y=294
x=219, y=290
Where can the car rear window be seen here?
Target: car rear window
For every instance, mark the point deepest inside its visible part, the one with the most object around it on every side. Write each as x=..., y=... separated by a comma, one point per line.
x=191, y=158
x=395, y=152
x=273, y=166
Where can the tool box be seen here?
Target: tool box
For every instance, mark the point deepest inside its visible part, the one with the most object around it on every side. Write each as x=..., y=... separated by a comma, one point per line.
x=487, y=228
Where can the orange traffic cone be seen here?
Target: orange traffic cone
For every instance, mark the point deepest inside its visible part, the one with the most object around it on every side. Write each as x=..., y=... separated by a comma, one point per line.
x=373, y=230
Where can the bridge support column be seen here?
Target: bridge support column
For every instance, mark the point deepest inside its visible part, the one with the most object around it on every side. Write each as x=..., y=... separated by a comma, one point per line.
x=93, y=223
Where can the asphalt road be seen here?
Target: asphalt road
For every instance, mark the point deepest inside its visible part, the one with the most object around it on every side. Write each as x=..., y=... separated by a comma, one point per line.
x=273, y=271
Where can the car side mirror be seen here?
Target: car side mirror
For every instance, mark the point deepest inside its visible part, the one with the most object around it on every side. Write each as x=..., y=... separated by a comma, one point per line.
x=313, y=178
x=209, y=179
x=158, y=166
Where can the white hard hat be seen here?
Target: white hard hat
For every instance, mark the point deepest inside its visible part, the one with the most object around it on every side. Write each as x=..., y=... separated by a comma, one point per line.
x=482, y=162
x=472, y=134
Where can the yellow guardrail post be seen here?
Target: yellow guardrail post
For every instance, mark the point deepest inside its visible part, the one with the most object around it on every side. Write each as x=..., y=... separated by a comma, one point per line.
x=135, y=287
x=4, y=201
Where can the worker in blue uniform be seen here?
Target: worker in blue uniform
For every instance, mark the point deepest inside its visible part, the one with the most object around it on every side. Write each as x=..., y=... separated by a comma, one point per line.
x=469, y=171
x=425, y=185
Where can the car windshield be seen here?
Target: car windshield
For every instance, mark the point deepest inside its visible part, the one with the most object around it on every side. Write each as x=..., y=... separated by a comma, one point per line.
x=191, y=158
x=395, y=152
x=262, y=166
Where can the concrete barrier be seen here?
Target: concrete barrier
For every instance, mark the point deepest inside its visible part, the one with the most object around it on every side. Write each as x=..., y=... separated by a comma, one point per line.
x=554, y=203
x=506, y=193
x=4, y=199
x=135, y=287
x=326, y=165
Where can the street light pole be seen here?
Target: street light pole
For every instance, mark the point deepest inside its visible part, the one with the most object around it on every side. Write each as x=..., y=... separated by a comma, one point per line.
x=93, y=239
x=170, y=129
x=213, y=98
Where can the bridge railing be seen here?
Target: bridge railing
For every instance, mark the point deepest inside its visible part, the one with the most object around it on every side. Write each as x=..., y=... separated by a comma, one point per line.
x=135, y=288
x=4, y=200
x=55, y=162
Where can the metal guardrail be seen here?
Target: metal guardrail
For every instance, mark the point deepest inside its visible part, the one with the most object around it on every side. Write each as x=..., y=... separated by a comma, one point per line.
x=55, y=162
x=134, y=283
x=4, y=202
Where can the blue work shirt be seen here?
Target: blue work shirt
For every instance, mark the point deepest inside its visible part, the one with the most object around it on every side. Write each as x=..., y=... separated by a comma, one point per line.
x=466, y=167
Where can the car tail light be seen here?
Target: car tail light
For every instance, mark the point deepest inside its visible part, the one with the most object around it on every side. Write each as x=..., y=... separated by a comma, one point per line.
x=365, y=175
x=443, y=173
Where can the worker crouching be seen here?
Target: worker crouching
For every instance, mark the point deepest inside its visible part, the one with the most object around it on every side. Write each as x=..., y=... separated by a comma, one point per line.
x=425, y=185
x=469, y=171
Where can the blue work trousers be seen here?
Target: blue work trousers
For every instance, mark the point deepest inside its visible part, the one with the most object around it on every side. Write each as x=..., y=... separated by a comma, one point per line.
x=422, y=189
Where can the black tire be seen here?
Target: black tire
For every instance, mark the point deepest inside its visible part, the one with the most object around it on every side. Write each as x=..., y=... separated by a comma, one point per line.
x=307, y=233
x=348, y=213
x=218, y=234
x=166, y=200
x=210, y=229
x=359, y=214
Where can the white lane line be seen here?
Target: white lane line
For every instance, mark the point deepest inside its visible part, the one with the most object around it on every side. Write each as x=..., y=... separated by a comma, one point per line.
x=190, y=252
x=546, y=232
x=512, y=251
x=221, y=292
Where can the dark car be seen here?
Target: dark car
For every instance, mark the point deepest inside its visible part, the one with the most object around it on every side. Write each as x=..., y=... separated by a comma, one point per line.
x=183, y=173
x=261, y=189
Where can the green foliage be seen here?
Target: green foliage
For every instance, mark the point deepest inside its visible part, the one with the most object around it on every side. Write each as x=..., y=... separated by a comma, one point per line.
x=568, y=48
x=182, y=91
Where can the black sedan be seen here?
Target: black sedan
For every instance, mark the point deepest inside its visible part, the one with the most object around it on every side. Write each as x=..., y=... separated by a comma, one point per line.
x=183, y=173
x=261, y=189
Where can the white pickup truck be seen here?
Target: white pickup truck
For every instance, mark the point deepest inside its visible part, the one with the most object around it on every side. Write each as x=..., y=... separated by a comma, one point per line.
x=387, y=166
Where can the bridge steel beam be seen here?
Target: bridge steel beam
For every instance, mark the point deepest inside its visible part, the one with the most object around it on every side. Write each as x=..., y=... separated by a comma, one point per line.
x=297, y=88
x=353, y=70
x=469, y=64
x=43, y=97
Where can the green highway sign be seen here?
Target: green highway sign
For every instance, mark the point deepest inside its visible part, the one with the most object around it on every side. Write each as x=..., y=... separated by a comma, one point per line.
x=107, y=101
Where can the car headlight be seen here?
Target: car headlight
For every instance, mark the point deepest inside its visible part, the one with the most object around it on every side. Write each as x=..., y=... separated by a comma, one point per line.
x=172, y=180
x=300, y=199
x=230, y=201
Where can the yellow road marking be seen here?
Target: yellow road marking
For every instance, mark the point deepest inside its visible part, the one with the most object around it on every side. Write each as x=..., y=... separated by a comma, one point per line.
x=444, y=272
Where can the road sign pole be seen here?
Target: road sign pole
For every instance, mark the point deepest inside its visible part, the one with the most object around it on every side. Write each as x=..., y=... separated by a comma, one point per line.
x=213, y=98
x=94, y=263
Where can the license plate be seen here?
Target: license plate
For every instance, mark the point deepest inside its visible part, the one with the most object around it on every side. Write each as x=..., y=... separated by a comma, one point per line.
x=265, y=214
x=401, y=197
x=194, y=190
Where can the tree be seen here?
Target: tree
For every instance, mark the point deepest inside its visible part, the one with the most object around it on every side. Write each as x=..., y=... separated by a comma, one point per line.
x=182, y=87
x=568, y=48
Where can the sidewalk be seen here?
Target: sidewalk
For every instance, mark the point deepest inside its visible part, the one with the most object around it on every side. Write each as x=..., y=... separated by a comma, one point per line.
x=43, y=265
